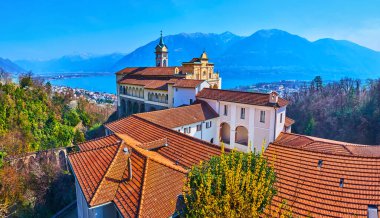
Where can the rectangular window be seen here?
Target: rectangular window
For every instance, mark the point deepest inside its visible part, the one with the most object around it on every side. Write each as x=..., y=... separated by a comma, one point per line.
x=208, y=125
x=191, y=101
x=199, y=127
x=262, y=116
x=281, y=118
x=242, y=113
x=225, y=110
x=189, y=130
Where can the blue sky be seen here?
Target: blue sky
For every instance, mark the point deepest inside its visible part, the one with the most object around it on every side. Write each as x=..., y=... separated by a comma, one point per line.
x=43, y=29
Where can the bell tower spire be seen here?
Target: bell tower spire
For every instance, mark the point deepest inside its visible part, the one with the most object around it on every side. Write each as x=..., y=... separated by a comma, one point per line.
x=161, y=53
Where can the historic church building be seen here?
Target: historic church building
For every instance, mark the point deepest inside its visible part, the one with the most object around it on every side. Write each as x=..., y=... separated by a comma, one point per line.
x=142, y=89
x=138, y=169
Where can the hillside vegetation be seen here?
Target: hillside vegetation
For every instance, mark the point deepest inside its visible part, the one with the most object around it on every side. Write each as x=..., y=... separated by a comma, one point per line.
x=32, y=118
x=346, y=110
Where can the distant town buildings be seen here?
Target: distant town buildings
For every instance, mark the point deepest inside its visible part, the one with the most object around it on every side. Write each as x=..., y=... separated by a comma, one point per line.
x=93, y=97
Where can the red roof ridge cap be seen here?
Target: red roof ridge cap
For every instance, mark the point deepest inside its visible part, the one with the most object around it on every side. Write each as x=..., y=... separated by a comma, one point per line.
x=142, y=188
x=151, y=155
x=102, y=180
x=94, y=149
x=95, y=139
x=182, y=134
x=322, y=152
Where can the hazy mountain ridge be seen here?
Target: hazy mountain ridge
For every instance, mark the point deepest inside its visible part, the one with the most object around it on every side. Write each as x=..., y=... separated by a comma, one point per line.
x=73, y=63
x=266, y=53
x=8, y=66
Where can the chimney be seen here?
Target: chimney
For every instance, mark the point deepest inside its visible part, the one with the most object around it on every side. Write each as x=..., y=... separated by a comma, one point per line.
x=273, y=97
x=126, y=152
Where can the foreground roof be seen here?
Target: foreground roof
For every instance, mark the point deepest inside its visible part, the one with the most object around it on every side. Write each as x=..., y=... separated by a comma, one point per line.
x=324, y=178
x=180, y=116
x=183, y=149
x=147, y=187
x=252, y=98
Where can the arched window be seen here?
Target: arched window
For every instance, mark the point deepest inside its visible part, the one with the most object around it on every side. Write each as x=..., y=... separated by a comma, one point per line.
x=241, y=135
x=225, y=133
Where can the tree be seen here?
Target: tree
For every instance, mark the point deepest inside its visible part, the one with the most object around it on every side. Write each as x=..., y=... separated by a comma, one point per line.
x=5, y=77
x=26, y=80
x=78, y=137
x=231, y=185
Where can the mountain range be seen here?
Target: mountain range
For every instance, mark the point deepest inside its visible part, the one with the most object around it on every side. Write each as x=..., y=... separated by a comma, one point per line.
x=8, y=66
x=266, y=53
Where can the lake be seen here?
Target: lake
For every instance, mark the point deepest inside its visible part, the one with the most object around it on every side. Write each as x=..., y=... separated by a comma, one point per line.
x=107, y=83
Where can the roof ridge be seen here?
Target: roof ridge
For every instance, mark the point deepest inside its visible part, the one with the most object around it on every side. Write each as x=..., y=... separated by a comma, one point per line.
x=169, y=109
x=94, y=149
x=143, y=187
x=101, y=181
x=326, y=153
x=182, y=134
x=229, y=90
x=98, y=138
x=154, y=156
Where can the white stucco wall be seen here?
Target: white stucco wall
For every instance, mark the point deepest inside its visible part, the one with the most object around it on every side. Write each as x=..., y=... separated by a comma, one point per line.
x=205, y=134
x=182, y=96
x=258, y=132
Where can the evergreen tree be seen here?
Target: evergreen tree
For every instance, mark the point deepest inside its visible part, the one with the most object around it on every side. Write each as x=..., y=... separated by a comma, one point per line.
x=231, y=185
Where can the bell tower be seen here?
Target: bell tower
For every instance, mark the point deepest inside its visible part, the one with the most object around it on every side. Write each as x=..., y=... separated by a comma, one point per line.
x=161, y=54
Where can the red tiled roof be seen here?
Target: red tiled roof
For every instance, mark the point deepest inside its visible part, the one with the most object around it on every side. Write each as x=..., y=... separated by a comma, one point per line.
x=327, y=146
x=314, y=191
x=251, y=98
x=180, y=116
x=90, y=167
x=149, y=71
x=188, y=83
x=99, y=142
x=289, y=121
x=184, y=149
x=160, y=84
x=103, y=175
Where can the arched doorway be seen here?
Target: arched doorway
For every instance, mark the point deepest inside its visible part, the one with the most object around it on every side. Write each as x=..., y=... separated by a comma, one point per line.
x=142, y=108
x=123, y=107
x=129, y=108
x=241, y=135
x=215, y=86
x=225, y=133
x=135, y=108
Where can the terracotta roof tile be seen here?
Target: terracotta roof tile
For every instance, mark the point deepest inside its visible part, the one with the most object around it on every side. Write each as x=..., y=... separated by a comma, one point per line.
x=90, y=166
x=289, y=121
x=160, y=83
x=314, y=191
x=161, y=188
x=103, y=175
x=149, y=71
x=184, y=149
x=251, y=98
x=99, y=142
x=175, y=117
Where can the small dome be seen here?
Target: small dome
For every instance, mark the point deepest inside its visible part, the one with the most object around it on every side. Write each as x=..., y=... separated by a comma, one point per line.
x=204, y=56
